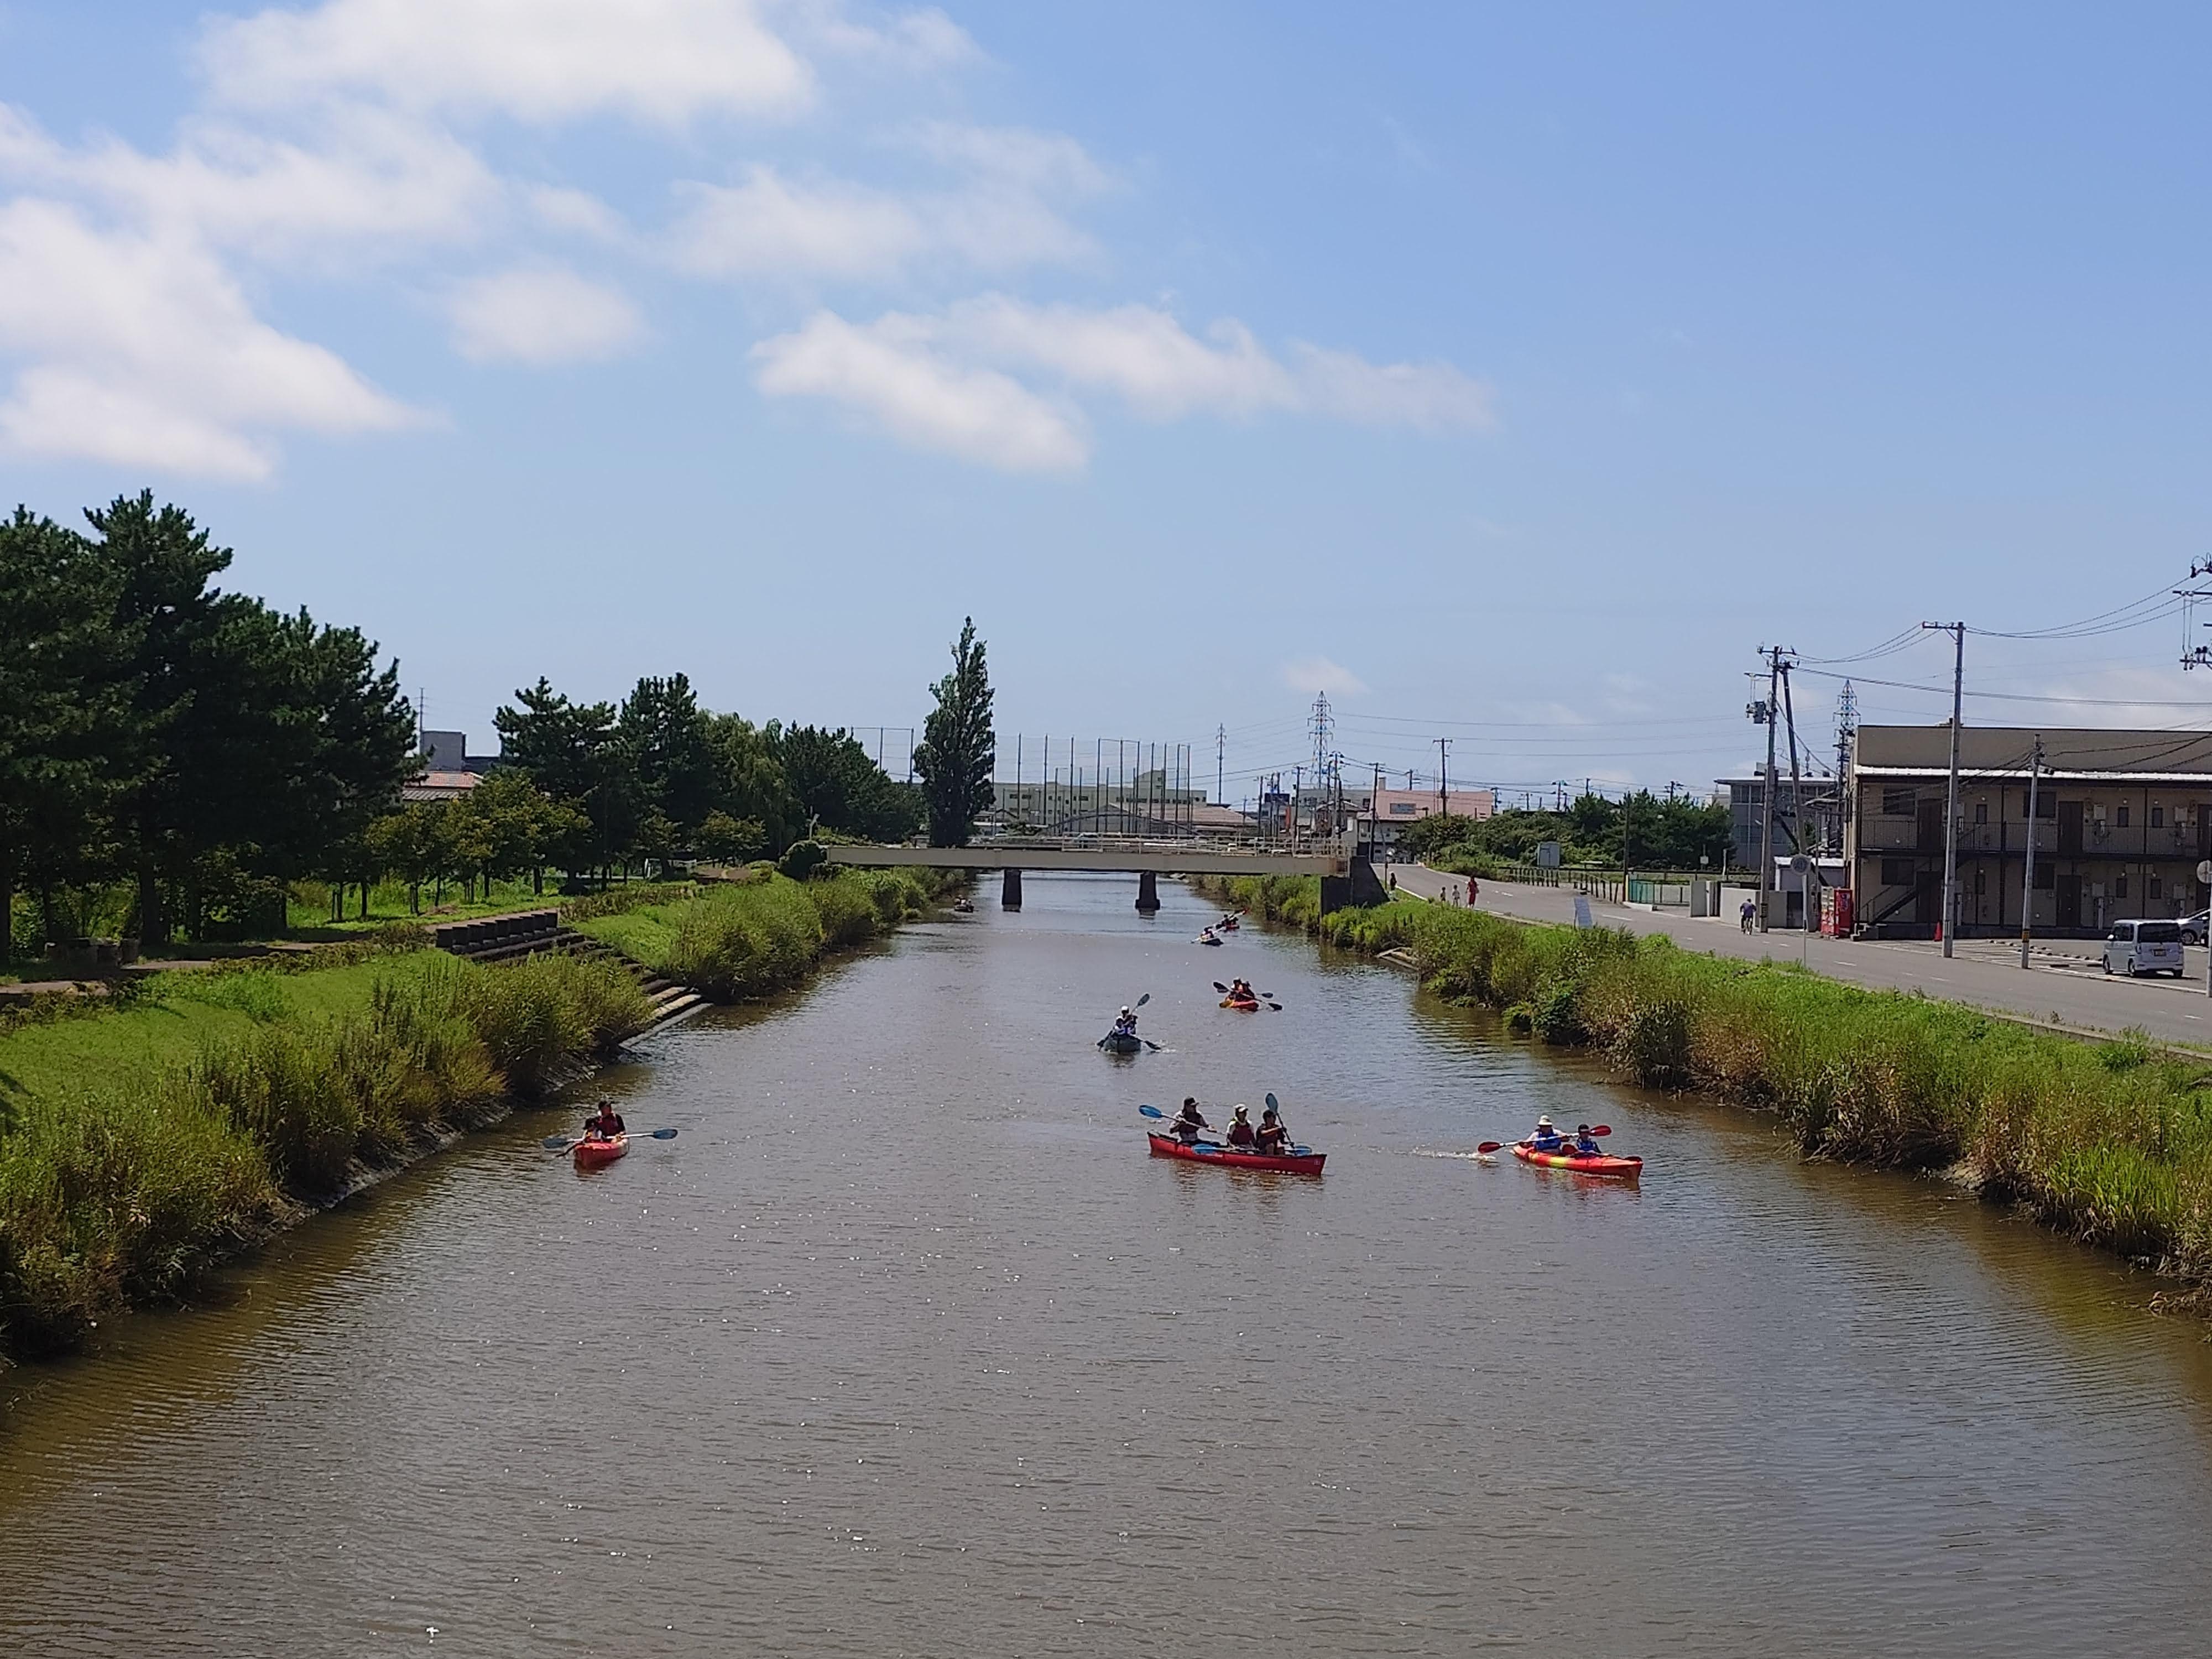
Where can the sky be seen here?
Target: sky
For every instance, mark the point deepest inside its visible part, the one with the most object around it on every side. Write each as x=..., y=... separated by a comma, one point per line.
x=1512, y=374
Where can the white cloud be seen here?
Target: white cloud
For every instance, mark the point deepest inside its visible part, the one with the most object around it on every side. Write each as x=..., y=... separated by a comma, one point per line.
x=370, y=179
x=657, y=61
x=1427, y=397
x=541, y=315
x=912, y=42
x=141, y=351
x=888, y=371
x=996, y=219
x=576, y=212
x=1144, y=356
x=768, y=226
x=1318, y=674
x=1148, y=360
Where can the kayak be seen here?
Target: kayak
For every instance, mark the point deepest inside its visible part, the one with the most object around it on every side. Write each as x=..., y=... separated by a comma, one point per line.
x=1589, y=1163
x=598, y=1154
x=1232, y=1002
x=1208, y=1151
x=1116, y=1043
x=1209, y=941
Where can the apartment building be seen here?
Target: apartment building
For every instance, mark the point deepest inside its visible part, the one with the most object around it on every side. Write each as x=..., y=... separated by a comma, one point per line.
x=2122, y=819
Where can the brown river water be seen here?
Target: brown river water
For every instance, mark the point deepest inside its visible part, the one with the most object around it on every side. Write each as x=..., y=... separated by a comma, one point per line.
x=904, y=1346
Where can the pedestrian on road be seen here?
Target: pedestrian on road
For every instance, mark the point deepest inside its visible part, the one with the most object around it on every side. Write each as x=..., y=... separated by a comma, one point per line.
x=1473, y=888
x=1750, y=909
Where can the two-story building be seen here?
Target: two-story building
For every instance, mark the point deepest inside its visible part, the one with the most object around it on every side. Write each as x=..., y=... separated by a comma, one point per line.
x=2122, y=819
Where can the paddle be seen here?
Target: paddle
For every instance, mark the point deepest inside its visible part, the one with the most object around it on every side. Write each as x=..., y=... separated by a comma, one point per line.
x=1276, y=1107
x=1194, y=1146
x=1260, y=996
x=1499, y=1145
x=566, y=1143
x=1133, y=1006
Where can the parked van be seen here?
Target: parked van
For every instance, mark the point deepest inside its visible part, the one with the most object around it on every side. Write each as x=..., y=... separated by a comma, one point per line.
x=2143, y=947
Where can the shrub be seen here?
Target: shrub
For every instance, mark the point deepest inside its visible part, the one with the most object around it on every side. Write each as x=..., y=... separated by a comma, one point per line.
x=802, y=858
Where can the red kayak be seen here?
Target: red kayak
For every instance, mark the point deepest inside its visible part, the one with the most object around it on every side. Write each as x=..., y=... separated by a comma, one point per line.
x=598, y=1154
x=1207, y=1151
x=1240, y=1005
x=1589, y=1163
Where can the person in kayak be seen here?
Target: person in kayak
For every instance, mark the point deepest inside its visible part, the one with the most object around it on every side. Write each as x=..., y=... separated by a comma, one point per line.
x=605, y=1123
x=1188, y=1122
x=1546, y=1137
x=1240, y=1134
x=1272, y=1138
x=1586, y=1143
x=1241, y=991
x=1126, y=1026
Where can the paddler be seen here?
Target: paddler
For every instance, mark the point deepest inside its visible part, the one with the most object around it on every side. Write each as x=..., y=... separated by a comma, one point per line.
x=1240, y=1134
x=1272, y=1138
x=1190, y=1120
x=1239, y=991
x=1586, y=1143
x=1126, y=1026
x=605, y=1123
x=1547, y=1138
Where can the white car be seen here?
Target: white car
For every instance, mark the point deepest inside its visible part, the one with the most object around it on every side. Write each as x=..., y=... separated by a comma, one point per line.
x=2143, y=947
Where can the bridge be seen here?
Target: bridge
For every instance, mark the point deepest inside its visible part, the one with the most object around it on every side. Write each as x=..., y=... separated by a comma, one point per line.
x=1346, y=877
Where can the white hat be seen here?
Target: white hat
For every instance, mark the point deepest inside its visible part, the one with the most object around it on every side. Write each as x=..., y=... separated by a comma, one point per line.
x=1543, y=1122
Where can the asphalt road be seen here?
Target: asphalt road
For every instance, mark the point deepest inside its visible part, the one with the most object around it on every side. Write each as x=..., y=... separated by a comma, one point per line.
x=2063, y=985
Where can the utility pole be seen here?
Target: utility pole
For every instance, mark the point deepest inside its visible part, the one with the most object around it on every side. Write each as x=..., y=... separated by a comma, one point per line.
x=1806, y=875
x=1764, y=711
x=1443, y=776
x=1957, y=631
x=2028, y=882
x=1220, y=750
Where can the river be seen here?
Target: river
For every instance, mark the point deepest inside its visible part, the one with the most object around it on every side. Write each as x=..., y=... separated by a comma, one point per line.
x=903, y=1346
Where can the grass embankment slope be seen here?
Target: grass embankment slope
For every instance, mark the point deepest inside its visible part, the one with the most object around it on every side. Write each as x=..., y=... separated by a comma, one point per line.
x=740, y=941
x=141, y=1143
x=2111, y=1142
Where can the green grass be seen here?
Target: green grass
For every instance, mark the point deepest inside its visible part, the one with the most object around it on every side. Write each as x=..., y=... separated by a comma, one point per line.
x=140, y=1143
x=2111, y=1142
x=736, y=942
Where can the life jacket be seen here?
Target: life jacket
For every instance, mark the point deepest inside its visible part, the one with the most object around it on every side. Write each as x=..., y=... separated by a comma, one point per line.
x=1240, y=1134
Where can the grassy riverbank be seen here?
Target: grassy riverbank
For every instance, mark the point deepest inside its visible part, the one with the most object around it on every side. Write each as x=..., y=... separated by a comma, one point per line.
x=2110, y=1142
x=143, y=1142
x=735, y=941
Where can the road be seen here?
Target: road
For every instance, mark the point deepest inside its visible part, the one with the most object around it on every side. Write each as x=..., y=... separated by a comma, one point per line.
x=2064, y=985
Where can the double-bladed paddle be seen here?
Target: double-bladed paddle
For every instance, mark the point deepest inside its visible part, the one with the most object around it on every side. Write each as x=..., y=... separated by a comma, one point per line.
x=1263, y=996
x=1499, y=1145
x=568, y=1143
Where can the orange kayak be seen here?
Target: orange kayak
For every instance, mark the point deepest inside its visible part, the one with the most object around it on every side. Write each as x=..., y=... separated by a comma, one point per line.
x=1589, y=1164
x=1238, y=1003
x=598, y=1154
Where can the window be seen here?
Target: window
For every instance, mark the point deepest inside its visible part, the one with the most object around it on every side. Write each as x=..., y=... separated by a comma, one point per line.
x=1981, y=811
x=2157, y=886
x=2047, y=804
x=1404, y=809
x=1897, y=872
x=2158, y=933
x=2120, y=816
x=1897, y=803
x=2120, y=882
x=2046, y=878
x=2157, y=821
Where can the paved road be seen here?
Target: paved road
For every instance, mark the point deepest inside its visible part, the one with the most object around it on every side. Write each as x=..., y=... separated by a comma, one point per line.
x=2065, y=985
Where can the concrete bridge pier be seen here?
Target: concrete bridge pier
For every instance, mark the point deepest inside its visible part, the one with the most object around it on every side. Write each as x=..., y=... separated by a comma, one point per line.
x=1358, y=886
x=1010, y=894
x=1148, y=892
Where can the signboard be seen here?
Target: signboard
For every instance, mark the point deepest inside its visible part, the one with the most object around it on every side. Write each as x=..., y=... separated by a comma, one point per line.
x=1548, y=856
x=1581, y=910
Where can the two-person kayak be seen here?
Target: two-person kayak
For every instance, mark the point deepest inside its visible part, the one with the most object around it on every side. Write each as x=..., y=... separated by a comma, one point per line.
x=596, y=1154
x=1589, y=1163
x=1243, y=1005
x=1207, y=1152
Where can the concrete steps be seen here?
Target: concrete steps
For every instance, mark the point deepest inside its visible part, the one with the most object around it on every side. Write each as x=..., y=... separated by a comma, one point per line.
x=534, y=933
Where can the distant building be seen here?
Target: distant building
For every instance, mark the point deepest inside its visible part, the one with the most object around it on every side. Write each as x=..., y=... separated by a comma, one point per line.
x=2122, y=818
x=449, y=771
x=1822, y=804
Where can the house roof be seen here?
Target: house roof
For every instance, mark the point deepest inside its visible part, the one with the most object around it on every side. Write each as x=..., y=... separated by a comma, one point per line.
x=440, y=786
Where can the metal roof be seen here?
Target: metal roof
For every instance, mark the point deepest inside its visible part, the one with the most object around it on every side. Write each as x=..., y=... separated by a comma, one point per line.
x=2179, y=780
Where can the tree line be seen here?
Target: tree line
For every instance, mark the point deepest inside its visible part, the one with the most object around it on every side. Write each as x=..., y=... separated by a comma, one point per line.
x=206, y=752
x=1658, y=833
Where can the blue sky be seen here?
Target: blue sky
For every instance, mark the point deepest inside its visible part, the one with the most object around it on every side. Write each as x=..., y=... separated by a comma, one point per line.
x=1514, y=373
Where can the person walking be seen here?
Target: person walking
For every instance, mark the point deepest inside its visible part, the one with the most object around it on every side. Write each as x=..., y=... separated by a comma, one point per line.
x=1749, y=909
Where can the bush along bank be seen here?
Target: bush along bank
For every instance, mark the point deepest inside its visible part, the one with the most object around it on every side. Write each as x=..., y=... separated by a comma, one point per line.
x=142, y=1143
x=737, y=941
x=2109, y=1142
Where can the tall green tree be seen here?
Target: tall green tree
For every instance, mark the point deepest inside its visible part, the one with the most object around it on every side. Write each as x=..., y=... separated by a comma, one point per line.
x=664, y=741
x=570, y=751
x=958, y=749
x=60, y=709
x=750, y=784
x=839, y=787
